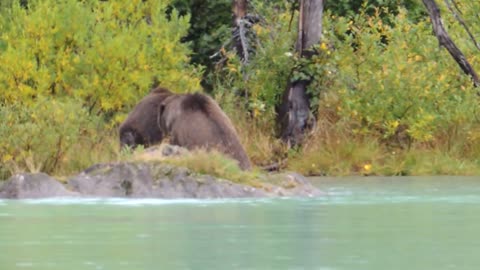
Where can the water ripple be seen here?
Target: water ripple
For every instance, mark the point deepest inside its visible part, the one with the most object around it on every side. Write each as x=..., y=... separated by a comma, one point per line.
x=400, y=199
x=139, y=202
x=335, y=196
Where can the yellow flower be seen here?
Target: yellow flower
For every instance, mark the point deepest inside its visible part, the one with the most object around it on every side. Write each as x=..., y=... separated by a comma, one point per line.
x=231, y=68
x=394, y=124
x=256, y=112
x=7, y=157
x=258, y=29
x=367, y=167
x=323, y=46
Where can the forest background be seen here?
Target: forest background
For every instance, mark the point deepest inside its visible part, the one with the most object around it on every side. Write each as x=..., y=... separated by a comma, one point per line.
x=387, y=98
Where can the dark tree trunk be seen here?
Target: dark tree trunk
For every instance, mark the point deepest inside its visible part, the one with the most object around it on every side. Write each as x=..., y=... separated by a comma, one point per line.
x=447, y=42
x=310, y=24
x=239, y=11
x=294, y=112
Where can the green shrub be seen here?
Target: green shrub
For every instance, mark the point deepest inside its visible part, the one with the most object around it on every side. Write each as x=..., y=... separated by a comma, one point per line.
x=104, y=53
x=385, y=78
x=379, y=86
x=210, y=26
x=264, y=79
x=349, y=8
x=68, y=68
x=45, y=135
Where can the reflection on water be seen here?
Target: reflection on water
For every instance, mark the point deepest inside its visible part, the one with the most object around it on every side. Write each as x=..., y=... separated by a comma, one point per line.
x=363, y=223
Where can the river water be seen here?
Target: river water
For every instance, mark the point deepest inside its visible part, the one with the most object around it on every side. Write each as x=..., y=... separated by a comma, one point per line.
x=363, y=223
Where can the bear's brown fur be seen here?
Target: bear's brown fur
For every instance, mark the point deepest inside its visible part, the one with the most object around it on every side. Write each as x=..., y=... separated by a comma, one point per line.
x=140, y=127
x=192, y=120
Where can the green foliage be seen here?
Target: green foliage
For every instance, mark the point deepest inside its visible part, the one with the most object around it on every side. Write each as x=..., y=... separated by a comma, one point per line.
x=210, y=26
x=340, y=155
x=379, y=76
x=349, y=8
x=384, y=83
x=102, y=53
x=390, y=77
x=426, y=162
x=42, y=136
x=264, y=79
x=70, y=70
x=203, y=162
x=7, y=4
x=467, y=13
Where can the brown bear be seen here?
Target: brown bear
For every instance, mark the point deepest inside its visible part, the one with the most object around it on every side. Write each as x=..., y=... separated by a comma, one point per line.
x=191, y=120
x=141, y=126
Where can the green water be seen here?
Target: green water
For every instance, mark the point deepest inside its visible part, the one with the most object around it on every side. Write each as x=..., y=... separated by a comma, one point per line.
x=364, y=223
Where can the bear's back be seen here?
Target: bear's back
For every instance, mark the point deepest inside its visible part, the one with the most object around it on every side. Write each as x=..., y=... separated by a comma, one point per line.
x=204, y=125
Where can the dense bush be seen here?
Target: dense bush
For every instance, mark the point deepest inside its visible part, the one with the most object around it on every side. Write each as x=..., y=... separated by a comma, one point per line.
x=349, y=8
x=380, y=80
x=102, y=53
x=68, y=67
x=70, y=71
x=41, y=136
x=381, y=87
x=210, y=26
x=386, y=77
x=264, y=79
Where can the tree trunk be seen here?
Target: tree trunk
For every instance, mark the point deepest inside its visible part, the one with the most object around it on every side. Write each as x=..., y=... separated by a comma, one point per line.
x=294, y=112
x=310, y=24
x=447, y=42
x=239, y=11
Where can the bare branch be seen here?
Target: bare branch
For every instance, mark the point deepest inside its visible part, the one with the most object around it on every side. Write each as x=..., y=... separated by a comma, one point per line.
x=243, y=41
x=462, y=22
x=456, y=7
x=445, y=41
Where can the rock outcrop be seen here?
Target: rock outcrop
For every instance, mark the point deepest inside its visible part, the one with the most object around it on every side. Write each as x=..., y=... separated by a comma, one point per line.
x=159, y=180
x=33, y=186
x=153, y=179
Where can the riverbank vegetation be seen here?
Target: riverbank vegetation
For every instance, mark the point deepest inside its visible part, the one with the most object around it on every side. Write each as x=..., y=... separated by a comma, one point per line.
x=387, y=98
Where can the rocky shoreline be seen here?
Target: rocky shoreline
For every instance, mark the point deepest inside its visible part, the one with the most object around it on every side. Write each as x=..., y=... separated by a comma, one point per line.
x=152, y=180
